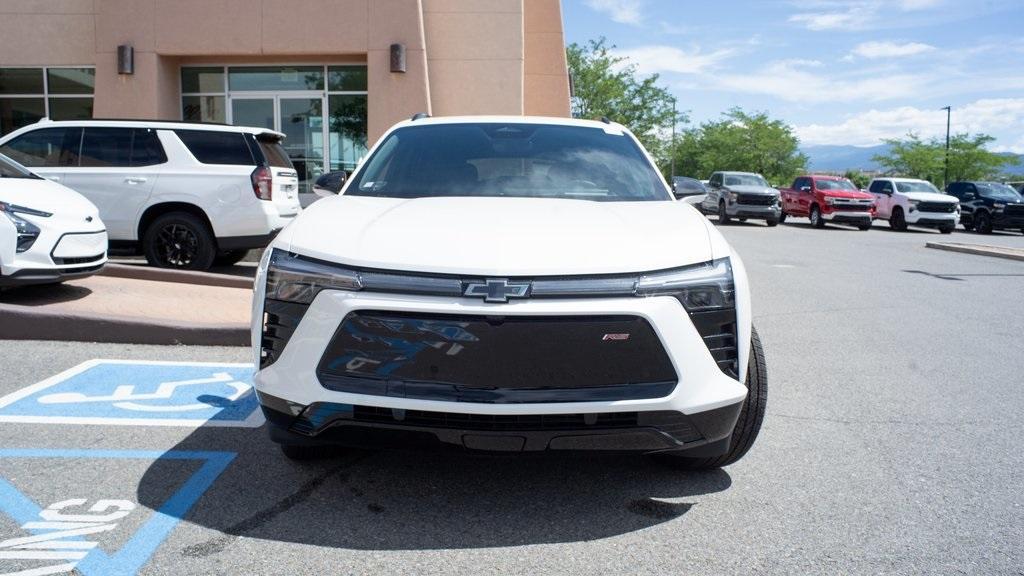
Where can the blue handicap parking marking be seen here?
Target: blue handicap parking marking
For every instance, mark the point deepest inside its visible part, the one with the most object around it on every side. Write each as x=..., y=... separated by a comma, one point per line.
x=139, y=393
x=64, y=535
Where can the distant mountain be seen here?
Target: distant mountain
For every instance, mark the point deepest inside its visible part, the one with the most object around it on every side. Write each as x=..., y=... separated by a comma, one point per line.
x=842, y=158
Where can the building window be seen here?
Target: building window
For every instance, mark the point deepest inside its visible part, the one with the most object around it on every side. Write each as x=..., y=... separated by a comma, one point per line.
x=290, y=99
x=58, y=93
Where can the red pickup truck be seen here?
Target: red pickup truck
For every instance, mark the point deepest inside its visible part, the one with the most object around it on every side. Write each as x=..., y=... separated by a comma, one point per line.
x=826, y=199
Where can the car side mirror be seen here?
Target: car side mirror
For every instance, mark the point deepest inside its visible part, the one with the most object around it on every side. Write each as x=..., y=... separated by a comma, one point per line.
x=330, y=183
x=969, y=196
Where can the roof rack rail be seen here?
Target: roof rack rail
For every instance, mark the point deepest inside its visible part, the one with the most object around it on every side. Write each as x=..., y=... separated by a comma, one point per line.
x=159, y=121
x=606, y=120
x=419, y=116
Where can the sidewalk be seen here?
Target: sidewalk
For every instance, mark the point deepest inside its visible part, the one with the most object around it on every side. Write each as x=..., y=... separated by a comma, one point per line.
x=119, y=309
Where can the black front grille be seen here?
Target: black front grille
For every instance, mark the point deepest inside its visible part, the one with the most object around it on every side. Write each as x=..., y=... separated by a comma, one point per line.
x=78, y=260
x=718, y=328
x=82, y=270
x=1014, y=210
x=280, y=319
x=497, y=359
x=755, y=199
x=942, y=207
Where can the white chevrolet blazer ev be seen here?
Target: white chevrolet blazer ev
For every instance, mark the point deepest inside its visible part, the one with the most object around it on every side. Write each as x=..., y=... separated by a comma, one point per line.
x=184, y=195
x=508, y=284
x=48, y=232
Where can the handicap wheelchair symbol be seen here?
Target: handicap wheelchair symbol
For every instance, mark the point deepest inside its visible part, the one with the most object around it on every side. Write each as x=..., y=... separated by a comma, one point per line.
x=140, y=393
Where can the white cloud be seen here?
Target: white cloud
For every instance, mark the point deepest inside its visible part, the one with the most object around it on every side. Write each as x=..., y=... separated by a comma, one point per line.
x=855, y=14
x=911, y=5
x=886, y=49
x=657, y=59
x=868, y=128
x=801, y=81
x=622, y=11
x=828, y=20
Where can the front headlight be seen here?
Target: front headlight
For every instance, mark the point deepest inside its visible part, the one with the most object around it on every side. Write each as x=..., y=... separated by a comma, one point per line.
x=707, y=286
x=294, y=279
x=913, y=204
x=830, y=200
x=999, y=206
x=28, y=232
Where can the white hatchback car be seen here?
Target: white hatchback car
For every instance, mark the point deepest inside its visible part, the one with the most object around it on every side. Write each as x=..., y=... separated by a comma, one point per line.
x=48, y=233
x=184, y=195
x=508, y=284
x=913, y=202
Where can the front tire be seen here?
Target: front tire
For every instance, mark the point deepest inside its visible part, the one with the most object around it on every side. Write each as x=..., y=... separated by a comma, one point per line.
x=983, y=223
x=771, y=222
x=863, y=227
x=179, y=240
x=782, y=218
x=947, y=229
x=723, y=215
x=816, y=220
x=897, y=221
x=747, y=426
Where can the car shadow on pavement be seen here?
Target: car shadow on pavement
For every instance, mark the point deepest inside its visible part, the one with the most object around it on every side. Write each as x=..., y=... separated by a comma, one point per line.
x=41, y=295
x=809, y=226
x=402, y=500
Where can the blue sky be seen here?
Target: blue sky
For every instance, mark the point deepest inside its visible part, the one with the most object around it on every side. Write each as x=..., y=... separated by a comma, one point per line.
x=839, y=71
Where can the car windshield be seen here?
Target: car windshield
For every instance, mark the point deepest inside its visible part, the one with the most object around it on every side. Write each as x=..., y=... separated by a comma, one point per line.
x=745, y=180
x=836, y=185
x=11, y=169
x=916, y=187
x=689, y=184
x=997, y=191
x=511, y=160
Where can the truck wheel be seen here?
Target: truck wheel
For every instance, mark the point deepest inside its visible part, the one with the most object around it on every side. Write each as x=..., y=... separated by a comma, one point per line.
x=947, y=229
x=229, y=257
x=864, y=226
x=723, y=216
x=897, y=221
x=782, y=218
x=179, y=240
x=747, y=426
x=967, y=224
x=816, y=220
x=772, y=222
x=983, y=223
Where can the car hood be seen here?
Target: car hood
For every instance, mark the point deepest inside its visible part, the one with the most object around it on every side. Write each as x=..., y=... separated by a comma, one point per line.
x=45, y=195
x=929, y=197
x=753, y=189
x=500, y=236
x=852, y=194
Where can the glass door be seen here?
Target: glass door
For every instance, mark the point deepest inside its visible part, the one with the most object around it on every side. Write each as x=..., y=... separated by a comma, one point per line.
x=253, y=111
x=302, y=122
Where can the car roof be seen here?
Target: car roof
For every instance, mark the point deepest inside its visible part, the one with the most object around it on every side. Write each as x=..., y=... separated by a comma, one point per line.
x=826, y=177
x=736, y=172
x=489, y=119
x=156, y=125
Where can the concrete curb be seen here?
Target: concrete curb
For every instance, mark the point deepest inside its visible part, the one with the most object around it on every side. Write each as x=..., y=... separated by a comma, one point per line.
x=179, y=276
x=979, y=249
x=25, y=323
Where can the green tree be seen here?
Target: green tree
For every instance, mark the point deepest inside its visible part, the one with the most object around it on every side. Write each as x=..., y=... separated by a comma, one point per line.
x=741, y=141
x=968, y=158
x=608, y=85
x=859, y=179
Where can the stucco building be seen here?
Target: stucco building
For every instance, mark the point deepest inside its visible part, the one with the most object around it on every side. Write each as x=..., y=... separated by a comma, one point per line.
x=328, y=73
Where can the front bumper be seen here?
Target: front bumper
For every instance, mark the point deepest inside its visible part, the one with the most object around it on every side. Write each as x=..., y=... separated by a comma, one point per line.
x=1002, y=220
x=290, y=385
x=843, y=216
x=754, y=212
x=704, y=433
x=30, y=276
x=934, y=219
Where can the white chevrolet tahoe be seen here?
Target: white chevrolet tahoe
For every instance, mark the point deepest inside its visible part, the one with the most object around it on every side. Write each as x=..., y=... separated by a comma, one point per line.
x=908, y=201
x=508, y=284
x=184, y=195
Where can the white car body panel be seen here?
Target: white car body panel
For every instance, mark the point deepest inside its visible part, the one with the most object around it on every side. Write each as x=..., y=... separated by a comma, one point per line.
x=886, y=203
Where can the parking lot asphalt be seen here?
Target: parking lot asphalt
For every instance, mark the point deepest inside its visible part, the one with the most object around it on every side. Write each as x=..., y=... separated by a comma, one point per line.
x=892, y=444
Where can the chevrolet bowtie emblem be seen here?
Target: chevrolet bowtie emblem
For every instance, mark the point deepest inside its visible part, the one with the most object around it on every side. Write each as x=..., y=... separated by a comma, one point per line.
x=497, y=289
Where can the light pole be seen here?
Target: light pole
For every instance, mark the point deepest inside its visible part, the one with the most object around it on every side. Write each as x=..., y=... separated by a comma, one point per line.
x=945, y=173
x=673, y=151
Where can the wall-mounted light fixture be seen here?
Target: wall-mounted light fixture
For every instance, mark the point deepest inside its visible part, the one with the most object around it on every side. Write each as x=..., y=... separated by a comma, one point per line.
x=125, y=59
x=398, y=58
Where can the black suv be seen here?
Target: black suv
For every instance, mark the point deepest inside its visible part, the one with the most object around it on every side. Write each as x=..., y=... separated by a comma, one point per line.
x=988, y=206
